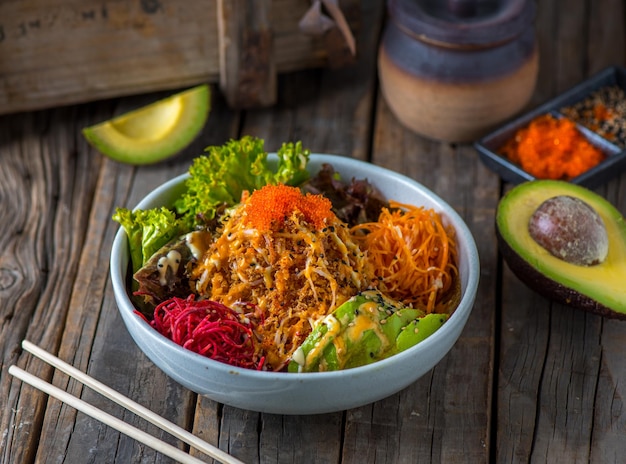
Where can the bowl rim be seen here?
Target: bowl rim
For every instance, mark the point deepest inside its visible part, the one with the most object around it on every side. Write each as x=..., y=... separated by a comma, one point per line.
x=457, y=320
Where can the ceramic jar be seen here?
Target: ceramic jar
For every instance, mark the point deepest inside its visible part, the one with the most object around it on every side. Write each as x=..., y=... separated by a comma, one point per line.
x=451, y=70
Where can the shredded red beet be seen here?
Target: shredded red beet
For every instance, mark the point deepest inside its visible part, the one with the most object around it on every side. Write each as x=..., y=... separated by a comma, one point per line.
x=207, y=328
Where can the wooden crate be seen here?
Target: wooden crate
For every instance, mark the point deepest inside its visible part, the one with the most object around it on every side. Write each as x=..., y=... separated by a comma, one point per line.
x=59, y=52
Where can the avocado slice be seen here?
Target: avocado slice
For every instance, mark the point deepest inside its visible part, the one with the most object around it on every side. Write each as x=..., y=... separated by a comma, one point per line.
x=366, y=328
x=154, y=132
x=599, y=288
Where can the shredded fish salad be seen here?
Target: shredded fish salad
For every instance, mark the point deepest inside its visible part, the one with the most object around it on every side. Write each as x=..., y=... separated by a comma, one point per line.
x=295, y=269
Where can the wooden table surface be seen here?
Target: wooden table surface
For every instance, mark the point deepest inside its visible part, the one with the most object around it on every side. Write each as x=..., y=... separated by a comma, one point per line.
x=528, y=381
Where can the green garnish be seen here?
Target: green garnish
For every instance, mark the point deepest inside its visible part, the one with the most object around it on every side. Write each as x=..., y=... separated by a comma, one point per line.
x=218, y=177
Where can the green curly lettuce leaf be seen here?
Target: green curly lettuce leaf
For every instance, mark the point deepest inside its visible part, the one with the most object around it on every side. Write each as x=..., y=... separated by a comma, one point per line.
x=147, y=230
x=223, y=173
x=217, y=178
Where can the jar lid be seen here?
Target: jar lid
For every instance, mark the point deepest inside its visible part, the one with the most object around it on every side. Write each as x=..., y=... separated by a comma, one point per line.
x=463, y=23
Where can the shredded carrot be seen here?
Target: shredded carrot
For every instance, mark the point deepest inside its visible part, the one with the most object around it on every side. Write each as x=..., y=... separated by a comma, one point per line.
x=552, y=148
x=272, y=204
x=413, y=254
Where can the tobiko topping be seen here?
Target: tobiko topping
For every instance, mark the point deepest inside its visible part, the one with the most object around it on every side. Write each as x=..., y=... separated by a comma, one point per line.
x=552, y=148
x=269, y=207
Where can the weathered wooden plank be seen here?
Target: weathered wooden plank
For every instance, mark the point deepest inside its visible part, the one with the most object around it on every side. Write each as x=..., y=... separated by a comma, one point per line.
x=123, y=48
x=609, y=423
x=570, y=66
x=546, y=17
x=568, y=387
x=604, y=35
x=523, y=346
x=84, y=306
x=43, y=243
x=206, y=422
x=287, y=439
x=247, y=67
x=562, y=39
x=20, y=287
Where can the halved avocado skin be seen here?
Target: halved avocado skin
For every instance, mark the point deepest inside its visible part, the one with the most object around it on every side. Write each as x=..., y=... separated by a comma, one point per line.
x=529, y=274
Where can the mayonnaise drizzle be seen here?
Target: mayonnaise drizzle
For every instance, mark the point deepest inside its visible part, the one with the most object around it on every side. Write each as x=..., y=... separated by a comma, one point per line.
x=170, y=261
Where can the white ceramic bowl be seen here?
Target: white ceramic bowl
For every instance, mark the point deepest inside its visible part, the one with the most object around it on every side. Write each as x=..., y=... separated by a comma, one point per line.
x=305, y=393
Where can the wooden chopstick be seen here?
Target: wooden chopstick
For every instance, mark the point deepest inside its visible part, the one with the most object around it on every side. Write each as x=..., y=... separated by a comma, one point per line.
x=122, y=400
x=104, y=417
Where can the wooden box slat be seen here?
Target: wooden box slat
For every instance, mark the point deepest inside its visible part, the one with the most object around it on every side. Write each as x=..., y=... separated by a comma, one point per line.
x=59, y=52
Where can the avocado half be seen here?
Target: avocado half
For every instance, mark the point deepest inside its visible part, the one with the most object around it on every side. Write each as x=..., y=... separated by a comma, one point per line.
x=599, y=288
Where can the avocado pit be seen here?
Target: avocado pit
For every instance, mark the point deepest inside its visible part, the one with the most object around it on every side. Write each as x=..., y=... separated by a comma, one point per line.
x=571, y=230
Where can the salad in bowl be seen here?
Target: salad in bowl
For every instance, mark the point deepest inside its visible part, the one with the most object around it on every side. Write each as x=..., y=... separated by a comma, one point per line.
x=260, y=278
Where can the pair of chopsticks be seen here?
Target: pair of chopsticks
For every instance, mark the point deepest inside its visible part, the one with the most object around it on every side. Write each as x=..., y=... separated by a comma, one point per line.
x=112, y=421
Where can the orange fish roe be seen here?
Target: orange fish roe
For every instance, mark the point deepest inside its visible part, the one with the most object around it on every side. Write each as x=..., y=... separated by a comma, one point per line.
x=552, y=148
x=272, y=204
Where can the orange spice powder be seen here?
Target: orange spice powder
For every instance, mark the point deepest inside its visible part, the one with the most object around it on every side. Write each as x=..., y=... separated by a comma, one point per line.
x=552, y=148
x=272, y=204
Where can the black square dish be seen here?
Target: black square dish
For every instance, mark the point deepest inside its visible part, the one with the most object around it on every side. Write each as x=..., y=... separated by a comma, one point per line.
x=577, y=105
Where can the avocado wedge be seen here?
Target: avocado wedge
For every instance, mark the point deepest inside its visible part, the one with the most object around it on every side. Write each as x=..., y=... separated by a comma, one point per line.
x=154, y=132
x=599, y=286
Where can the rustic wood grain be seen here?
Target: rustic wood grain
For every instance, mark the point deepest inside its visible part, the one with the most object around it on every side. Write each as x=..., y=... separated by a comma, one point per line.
x=523, y=348
x=246, y=49
x=43, y=245
x=568, y=387
x=605, y=42
x=609, y=422
x=122, y=48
